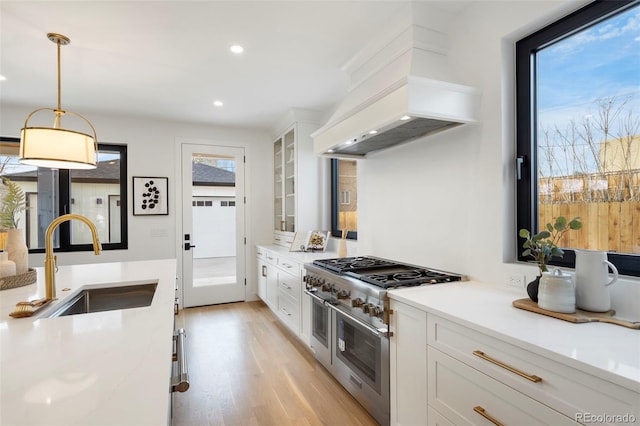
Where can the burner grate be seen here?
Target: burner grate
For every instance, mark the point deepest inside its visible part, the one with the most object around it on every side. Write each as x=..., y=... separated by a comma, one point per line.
x=408, y=278
x=346, y=264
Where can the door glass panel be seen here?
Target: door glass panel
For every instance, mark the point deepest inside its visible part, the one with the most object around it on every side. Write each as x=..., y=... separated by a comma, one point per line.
x=278, y=204
x=214, y=219
x=360, y=350
x=320, y=324
x=289, y=181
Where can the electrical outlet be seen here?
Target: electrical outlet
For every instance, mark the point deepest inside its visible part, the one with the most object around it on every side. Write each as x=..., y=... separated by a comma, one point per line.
x=515, y=280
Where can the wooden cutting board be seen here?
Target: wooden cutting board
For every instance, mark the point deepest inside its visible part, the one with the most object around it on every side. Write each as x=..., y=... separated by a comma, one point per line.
x=578, y=316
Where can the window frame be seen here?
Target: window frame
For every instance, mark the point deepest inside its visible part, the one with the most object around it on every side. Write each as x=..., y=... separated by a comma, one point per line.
x=335, y=204
x=64, y=196
x=526, y=129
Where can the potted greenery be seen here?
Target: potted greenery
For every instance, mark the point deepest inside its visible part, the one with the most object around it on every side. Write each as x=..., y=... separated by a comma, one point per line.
x=11, y=205
x=544, y=245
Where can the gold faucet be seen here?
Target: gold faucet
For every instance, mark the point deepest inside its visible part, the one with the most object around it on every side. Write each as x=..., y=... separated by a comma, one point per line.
x=50, y=259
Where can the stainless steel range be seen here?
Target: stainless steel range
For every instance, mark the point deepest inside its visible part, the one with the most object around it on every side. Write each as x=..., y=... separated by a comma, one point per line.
x=350, y=320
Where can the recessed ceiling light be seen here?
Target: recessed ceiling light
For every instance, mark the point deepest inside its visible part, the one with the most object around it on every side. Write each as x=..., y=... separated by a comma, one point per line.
x=236, y=48
x=349, y=142
x=330, y=151
x=2, y=78
x=218, y=103
x=373, y=132
x=405, y=118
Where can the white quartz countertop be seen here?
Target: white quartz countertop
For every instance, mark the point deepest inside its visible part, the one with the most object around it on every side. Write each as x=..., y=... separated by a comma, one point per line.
x=299, y=256
x=103, y=368
x=608, y=351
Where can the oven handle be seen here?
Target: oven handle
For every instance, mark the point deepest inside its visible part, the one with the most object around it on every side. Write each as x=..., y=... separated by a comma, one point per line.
x=319, y=299
x=378, y=332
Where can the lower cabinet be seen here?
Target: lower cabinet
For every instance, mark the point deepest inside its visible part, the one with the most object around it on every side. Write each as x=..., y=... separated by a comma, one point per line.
x=444, y=373
x=280, y=287
x=262, y=279
x=408, y=358
x=289, y=306
x=465, y=396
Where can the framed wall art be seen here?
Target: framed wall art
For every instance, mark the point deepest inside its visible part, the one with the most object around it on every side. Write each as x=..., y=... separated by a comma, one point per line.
x=150, y=195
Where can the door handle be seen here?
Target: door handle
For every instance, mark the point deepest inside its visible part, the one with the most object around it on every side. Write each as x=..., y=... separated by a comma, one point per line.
x=188, y=246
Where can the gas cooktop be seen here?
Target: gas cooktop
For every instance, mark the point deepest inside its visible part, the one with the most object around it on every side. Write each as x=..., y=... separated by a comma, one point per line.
x=385, y=273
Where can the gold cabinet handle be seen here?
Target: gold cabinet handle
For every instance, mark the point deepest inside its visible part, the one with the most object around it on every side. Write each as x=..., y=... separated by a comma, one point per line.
x=478, y=409
x=486, y=357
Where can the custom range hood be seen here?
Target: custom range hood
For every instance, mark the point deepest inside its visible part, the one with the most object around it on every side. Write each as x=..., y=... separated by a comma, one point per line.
x=407, y=90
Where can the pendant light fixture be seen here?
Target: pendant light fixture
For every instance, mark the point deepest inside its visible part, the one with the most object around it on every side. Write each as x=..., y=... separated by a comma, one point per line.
x=56, y=147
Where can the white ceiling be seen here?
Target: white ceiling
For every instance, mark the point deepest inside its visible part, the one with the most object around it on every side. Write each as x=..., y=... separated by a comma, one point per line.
x=171, y=59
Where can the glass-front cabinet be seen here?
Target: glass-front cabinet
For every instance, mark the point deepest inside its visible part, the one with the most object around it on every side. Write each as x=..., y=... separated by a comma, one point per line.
x=284, y=151
x=296, y=180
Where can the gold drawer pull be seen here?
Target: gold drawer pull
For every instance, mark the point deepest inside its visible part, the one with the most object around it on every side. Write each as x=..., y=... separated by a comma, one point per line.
x=478, y=409
x=530, y=377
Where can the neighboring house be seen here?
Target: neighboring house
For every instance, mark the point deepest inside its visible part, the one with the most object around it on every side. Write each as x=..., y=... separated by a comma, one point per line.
x=621, y=154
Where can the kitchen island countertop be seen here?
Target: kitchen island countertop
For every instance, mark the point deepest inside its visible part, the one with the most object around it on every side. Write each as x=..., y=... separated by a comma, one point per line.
x=107, y=368
x=608, y=351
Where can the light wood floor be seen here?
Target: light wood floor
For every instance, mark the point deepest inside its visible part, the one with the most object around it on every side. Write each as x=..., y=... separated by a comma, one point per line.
x=245, y=368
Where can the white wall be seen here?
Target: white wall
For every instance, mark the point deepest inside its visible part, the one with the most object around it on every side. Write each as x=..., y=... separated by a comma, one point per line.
x=151, y=150
x=447, y=201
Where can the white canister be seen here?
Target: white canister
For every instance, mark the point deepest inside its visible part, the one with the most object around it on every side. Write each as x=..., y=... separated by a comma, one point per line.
x=557, y=292
x=7, y=267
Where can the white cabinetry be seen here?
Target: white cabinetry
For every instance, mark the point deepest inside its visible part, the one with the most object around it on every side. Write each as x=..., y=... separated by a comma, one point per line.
x=500, y=367
x=262, y=273
x=443, y=372
x=296, y=176
x=465, y=396
x=408, y=357
x=283, y=290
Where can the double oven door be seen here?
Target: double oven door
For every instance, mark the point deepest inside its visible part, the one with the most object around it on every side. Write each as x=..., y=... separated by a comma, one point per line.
x=356, y=354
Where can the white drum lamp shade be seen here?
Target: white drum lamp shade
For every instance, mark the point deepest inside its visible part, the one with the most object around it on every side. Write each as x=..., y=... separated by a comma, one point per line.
x=56, y=147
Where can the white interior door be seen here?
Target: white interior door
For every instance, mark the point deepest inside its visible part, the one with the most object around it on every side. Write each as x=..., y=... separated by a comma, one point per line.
x=213, y=226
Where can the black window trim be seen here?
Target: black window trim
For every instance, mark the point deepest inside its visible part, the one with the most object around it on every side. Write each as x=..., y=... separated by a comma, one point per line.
x=64, y=188
x=526, y=185
x=335, y=204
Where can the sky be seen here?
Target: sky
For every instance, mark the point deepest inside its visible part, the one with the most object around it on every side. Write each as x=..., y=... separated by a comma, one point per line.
x=598, y=63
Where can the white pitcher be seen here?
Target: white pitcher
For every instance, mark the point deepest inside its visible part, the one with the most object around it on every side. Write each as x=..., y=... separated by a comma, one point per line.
x=593, y=281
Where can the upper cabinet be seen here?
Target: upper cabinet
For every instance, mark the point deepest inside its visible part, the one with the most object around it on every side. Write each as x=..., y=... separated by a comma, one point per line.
x=284, y=176
x=298, y=183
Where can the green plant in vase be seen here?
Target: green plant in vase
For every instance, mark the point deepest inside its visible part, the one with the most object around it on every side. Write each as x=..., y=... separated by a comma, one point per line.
x=544, y=245
x=13, y=203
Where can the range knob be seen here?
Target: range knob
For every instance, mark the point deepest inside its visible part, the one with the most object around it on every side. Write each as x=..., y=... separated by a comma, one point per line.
x=343, y=294
x=357, y=302
x=375, y=311
x=366, y=307
x=327, y=287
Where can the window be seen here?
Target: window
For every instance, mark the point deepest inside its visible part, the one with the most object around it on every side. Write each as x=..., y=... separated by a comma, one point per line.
x=344, y=198
x=578, y=130
x=99, y=194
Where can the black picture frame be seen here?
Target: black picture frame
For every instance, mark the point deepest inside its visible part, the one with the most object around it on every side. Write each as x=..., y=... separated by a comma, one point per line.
x=150, y=196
